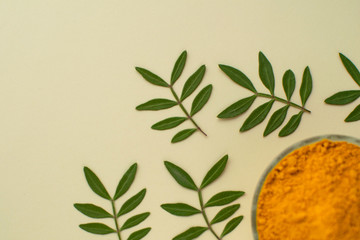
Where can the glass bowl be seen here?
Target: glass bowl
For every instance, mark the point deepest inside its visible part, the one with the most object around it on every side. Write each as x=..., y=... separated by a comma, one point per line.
x=280, y=157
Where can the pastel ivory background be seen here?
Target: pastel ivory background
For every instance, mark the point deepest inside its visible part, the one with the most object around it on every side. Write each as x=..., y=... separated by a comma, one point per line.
x=68, y=92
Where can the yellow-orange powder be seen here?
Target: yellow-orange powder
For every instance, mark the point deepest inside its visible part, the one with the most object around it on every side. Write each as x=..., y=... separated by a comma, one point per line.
x=312, y=194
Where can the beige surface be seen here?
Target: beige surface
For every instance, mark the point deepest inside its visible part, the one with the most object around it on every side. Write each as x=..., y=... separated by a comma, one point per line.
x=68, y=91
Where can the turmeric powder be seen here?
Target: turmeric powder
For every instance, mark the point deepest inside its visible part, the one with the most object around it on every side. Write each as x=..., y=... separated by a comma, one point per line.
x=312, y=194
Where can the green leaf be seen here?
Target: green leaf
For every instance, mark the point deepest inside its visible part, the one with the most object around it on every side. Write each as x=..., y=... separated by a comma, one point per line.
x=132, y=203
x=193, y=82
x=135, y=220
x=201, y=99
x=225, y=213
x=276, y=120
x=156, y=104
x=342, y=98
x=97, y=228
x=180, y=209
x=257, y=116
x=182, y=177
x=182, y=135
x=92, y=210
x=292, y=125
x=350, y=67
x=237, y=108
x=168, y=123
x=214, y=172
x=354, y=115
x=224, y=198
x=266, y=73
x=289, y=84
x=151, y=77
x=238, y=77
x=178, y=67
x=95, y=184
x=306, y=86
x=191, y=233
x=126, y=181
x=139, y=234
x=231, y=225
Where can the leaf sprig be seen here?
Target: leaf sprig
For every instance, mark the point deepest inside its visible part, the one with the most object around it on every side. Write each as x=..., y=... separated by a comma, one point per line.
x=349, y=96
x=259, y=114
x=97, y=212
x=219, y=199
x=189, y=87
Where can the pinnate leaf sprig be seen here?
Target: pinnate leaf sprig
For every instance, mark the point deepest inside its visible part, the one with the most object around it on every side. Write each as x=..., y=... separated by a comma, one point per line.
x=219, y=199
x=260, y=113
x=189, y=87
x=97, y=212
x=348, y=96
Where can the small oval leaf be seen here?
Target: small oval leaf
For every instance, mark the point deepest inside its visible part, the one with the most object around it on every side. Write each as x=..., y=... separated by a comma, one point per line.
x=291, y=126
x=168, y=123
x=191, y=233
x=156, y=104
x=97, y=228
x=178, y=67
x=238, y=77
x=132, y=203
x=92, y=210
x=214, y=172
x=350, y=67
x=344, y=97
x=95, y=184
x=181, y=177
x=126, y=181
x=289, y=83
x=180, y=209
x=237, y=108
x=306, y=86
x=201, y=99
x=193, y=82
x=135, y=220
x=231, y=225
x=276, y=120
x=354, y=115
x=182, y=135
x=151, y=77
x=225, y=213
x=257, y=116
x=224, y=198
x=139, y=234
x=266, y=73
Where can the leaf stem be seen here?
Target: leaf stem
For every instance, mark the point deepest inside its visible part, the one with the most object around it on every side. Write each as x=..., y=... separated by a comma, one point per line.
x=185, y=111
x=283, y=101
x=205, y=216
x=115, y=218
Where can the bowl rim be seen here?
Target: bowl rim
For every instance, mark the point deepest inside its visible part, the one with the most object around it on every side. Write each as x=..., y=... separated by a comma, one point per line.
x=280, y=156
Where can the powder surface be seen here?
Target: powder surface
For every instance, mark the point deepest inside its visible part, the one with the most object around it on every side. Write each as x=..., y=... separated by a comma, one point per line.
x=312, y=194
